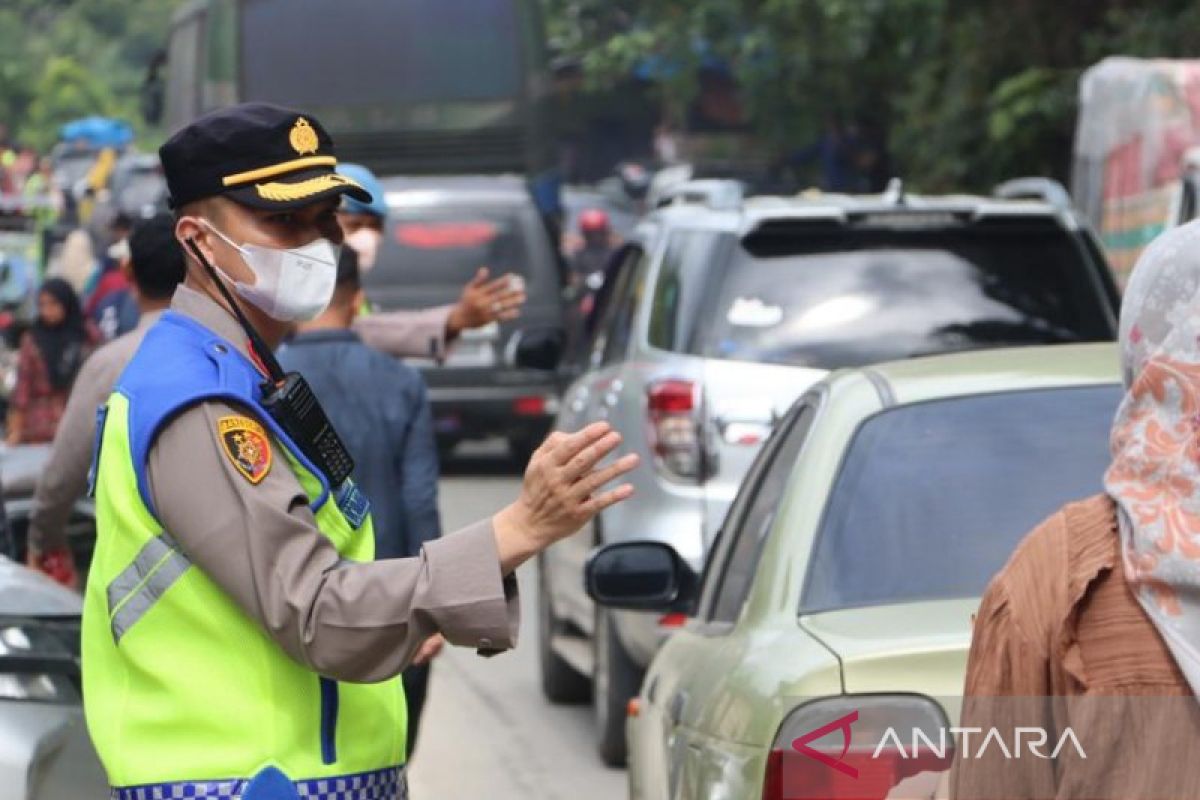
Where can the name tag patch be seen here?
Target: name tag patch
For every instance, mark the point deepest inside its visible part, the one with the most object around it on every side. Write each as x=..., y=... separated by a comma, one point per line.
x=353, y=504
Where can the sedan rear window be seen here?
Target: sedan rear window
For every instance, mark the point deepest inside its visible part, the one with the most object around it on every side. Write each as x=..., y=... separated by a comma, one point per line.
x=932, y=499
x=849, y=298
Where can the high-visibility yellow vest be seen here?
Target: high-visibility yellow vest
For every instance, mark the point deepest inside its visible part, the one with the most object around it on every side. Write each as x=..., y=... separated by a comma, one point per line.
x=180, y=685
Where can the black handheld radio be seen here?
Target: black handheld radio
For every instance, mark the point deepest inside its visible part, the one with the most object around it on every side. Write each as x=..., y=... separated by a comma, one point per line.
x=289, y=399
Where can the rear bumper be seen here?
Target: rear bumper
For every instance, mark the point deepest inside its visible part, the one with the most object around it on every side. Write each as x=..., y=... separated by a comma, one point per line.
x=474, y=412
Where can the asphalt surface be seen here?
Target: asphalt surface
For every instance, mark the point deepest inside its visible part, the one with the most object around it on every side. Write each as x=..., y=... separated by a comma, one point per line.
x=488, y=732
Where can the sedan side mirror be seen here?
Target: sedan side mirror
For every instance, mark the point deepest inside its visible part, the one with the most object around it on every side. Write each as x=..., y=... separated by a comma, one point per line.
x=640, y=576
x=536, y=348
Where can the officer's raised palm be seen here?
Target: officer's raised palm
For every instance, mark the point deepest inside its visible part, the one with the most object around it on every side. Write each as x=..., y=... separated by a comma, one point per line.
x=562, y=491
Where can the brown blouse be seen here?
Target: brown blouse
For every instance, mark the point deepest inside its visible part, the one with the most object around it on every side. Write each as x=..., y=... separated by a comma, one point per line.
x=1061, y=642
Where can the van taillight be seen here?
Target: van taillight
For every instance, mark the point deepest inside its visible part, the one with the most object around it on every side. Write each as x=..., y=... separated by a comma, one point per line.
x=860, y=748
x=675, y=427
x=532, y=406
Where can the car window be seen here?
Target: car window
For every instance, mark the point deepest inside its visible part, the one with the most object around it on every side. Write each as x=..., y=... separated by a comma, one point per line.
x=615, y=328
x=735, y=556
x=679, y=288
x=855, y=297
x=931, y=499
x=445, y=247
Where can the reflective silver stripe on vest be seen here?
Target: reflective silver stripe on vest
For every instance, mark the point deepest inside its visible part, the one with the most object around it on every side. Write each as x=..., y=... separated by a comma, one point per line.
x=131, y=594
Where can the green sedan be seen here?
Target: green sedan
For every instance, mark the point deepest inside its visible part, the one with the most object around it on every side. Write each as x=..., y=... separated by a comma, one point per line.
x=835, y=607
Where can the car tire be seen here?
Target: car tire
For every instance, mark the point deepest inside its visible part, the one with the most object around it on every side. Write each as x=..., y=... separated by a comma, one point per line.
x=560, y=682
x=616, y=679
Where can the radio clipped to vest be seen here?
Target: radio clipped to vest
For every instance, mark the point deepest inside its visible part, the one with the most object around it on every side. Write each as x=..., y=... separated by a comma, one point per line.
x=294, y=406
x=289, y=399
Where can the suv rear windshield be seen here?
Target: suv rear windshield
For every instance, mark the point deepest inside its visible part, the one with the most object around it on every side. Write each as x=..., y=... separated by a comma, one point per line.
x=856, y=297
x=932, y=499
x=444, y=247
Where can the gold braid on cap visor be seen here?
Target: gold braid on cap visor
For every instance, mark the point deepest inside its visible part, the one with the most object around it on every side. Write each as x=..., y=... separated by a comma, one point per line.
x=282, y=192
x=278, y=169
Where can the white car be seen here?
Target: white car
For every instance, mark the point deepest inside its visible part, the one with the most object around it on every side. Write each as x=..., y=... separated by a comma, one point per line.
x=45, y=751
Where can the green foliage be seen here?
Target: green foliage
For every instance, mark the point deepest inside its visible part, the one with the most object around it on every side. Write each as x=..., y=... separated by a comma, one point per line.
x=65, y=91
x=965, y=92
x=70, y=58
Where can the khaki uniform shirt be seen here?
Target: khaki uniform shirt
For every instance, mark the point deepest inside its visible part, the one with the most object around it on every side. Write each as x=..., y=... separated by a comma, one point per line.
x=1061, y=642
x=64, y=478
x=259, y=542
x=419, y=333
x=416, y=334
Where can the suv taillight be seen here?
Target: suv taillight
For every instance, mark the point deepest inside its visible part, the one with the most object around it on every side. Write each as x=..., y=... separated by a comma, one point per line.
x=675, y=436
x=860, y=748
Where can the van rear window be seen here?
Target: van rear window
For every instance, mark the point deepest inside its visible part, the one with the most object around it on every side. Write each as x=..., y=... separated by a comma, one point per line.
x=446, y=247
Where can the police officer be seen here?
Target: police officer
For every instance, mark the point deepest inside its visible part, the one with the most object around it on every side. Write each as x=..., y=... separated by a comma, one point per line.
x=238, y=640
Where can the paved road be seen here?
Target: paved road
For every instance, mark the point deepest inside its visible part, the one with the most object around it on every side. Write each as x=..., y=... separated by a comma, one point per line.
x=488, y=732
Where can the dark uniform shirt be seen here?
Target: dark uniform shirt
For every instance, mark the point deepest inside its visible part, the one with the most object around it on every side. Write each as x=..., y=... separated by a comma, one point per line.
x=380, y=409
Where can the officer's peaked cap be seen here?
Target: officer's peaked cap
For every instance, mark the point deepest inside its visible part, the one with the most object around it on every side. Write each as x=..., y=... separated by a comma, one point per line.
x=257, y=154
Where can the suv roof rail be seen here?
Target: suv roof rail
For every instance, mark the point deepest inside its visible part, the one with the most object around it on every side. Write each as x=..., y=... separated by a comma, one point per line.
x=715, y=193
x=1047, y=190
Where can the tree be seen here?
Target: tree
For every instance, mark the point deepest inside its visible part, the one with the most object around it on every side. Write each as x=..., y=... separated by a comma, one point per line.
x=65, y=92
x=70, y=58
x=964, y=93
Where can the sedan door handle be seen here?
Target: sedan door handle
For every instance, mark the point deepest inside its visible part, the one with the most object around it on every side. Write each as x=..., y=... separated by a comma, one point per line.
x=676, y=707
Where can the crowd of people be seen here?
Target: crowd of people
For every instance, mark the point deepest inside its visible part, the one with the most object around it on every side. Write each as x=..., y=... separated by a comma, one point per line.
x=82, y=303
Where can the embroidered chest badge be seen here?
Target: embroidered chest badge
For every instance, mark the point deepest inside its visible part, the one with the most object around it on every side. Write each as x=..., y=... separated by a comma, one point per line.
x=247, y=445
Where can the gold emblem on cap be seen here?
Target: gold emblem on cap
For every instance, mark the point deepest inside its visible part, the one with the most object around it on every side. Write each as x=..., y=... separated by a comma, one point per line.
x=303, y=138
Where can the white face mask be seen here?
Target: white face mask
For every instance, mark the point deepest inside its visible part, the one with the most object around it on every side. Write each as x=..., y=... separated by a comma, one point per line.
x=365, y=242
x=290, y=285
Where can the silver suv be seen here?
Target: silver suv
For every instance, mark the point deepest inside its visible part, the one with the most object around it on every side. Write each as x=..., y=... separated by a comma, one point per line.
x=722, y=311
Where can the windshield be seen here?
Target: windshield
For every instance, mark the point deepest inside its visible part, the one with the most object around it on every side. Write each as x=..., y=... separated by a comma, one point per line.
x=843, y=300
x=932, y=499
x=446, y=247
x=379, y=53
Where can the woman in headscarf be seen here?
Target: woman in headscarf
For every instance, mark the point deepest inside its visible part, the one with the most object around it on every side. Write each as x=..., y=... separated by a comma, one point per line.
x=1093, y=626
x=51, y=352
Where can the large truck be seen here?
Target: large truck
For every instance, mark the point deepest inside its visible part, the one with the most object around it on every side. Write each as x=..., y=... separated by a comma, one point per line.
x=1136, y=167
x=412, y=87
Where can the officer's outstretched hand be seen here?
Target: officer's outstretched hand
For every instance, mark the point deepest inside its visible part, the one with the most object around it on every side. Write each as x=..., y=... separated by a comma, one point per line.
x=561, y=492
x=486, y=300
